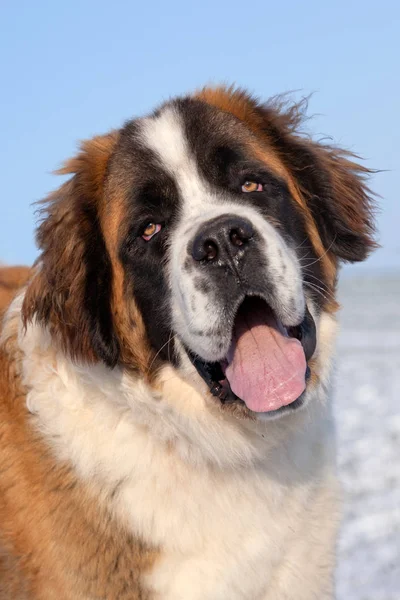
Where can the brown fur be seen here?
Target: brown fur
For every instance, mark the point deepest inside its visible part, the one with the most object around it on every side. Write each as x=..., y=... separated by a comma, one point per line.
x=57, y=293
x=11, y=279
x=136, y=352
x=58, y=540
x=74, y=216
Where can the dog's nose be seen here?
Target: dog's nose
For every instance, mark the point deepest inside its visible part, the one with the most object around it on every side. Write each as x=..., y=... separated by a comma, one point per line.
x=222, y=238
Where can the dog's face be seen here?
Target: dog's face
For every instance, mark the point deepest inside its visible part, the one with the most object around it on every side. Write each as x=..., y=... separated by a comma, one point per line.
x=206, y=235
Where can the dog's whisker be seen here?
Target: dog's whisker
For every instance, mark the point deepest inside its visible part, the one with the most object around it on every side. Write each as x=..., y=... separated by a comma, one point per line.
x=318, y=290
x=320, y=284
x=324, y=254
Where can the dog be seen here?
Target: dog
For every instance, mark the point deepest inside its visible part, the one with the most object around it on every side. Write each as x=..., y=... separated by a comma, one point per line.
x=165, y=415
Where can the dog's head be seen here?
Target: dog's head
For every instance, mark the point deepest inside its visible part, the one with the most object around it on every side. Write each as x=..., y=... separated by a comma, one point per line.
x=205, y=239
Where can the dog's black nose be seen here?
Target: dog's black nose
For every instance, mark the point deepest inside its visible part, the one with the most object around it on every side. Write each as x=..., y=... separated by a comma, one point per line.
x=221, y=239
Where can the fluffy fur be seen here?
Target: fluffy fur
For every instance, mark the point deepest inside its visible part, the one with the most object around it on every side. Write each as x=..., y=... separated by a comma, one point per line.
x=121, y=476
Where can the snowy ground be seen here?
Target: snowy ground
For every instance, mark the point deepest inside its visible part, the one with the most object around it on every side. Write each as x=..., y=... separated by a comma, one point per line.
x=367, y=406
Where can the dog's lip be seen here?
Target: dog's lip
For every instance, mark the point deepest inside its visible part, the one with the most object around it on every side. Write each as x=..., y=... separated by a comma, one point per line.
x=232, y=312
x=213, y=373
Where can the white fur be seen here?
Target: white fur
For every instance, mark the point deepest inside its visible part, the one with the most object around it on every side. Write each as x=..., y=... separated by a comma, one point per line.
x=194, y=312
x=240, y=510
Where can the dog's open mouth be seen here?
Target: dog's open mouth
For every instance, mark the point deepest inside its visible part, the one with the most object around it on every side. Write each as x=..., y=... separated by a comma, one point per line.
x=266, y=366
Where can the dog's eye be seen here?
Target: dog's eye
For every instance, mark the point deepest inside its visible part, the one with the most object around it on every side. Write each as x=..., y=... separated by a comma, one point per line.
x=151, y=230
x=252, y=186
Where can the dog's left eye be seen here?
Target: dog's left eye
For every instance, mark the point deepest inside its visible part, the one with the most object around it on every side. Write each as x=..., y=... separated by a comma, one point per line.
x=151, y=230
x=252, y=186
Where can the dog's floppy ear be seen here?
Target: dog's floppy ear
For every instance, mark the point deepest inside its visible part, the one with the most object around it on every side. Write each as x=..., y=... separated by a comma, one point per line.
x=70, y=292
x=331, y=180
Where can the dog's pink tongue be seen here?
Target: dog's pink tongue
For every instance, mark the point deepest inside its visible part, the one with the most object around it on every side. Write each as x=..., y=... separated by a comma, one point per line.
x=266, y=369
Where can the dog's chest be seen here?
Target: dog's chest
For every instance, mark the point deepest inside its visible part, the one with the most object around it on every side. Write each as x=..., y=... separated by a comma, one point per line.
x=221, y=535
x=220, y=531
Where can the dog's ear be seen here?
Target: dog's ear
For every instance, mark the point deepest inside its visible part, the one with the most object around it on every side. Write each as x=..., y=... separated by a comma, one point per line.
x=330, y=179
x=70, y=292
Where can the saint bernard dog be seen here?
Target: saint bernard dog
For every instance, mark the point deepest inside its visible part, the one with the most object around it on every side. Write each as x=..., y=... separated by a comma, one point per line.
x=165, y=416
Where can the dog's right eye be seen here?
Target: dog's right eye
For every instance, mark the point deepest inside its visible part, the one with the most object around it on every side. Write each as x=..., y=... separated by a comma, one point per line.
x=151, y=230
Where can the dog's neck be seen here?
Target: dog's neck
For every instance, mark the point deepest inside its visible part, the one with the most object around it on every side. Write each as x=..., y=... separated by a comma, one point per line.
x=173, y=413
x=89, y=405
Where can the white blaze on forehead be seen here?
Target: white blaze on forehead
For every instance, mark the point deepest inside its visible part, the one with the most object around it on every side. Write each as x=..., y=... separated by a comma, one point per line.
x=195, y=312
x=165, y=136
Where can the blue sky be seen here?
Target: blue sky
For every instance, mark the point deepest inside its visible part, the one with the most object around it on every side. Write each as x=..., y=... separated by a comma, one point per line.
x=73, y=69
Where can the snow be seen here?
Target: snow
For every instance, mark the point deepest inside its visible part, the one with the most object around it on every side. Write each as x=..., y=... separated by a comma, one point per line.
x=367, y=408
